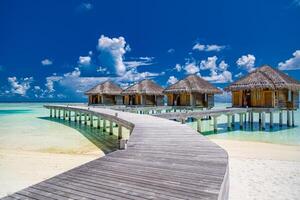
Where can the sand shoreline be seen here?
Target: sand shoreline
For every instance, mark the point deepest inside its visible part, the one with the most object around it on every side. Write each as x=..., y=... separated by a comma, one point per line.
x=20, y=169
x=262, y=170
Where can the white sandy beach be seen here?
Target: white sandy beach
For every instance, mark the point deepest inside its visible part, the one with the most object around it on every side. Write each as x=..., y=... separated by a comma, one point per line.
x=20, y=169
x=262, y=170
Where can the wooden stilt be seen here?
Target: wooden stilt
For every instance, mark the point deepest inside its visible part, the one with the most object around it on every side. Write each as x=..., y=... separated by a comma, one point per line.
x=263, y=120
x=293, y=118
x=58, y=113
x=232, y=120
x=271, y=120
x=288, y=118
x=199, y=125
x=79, y=114
x=104, y=125
x=111, y=127
x=228, y=122
x=69, y=115
x=54, y=113
x=64, y=114
x=215, y=118
x=91, y=121
x=249, y=117
x=75, y=116
x=50, y=112
x=280, y=118
x=85, y=119
x=241, y=120
x=98, y=122
x=259, y=118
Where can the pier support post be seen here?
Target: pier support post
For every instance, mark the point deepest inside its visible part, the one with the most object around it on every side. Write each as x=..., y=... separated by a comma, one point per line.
x=263, y=120
x=85, y=119
x=245, y=118
x=79, y=115
x=228, y=122
x=183, y=121
x=91, y=121
x=232, y=120
x=50, y=112
x=215, y=118
x=249, y=117
x=98, y=122
x=75, y=118
x=293, y=118
x=110, y=127
x=280, y=118
x=64, y=114
x=58, y=113
x=259, y=117
x=241, y=121
x=288, y=118
x=54, y=113
x=271, y=119
x=199, y=125
x=104, y=125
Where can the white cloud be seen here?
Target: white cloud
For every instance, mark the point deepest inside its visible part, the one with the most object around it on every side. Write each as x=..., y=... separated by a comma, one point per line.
x=292, y=63
x=75, y=73
x=102, y=69
x=141, y=61
x=178, y=67
x=20, y=86
x=239, y=75
x=84, y=60
x=133, y=75
x=172, y=80
x=112, y=51
x=212, y=47
x=47, y=62
x=218, y=72
x=210, y=63
x=50, y=82
x=246, y=62
x=85, y=7
x=191, y=68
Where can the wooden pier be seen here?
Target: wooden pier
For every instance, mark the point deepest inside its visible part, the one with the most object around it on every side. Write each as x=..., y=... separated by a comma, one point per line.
x=164, y=159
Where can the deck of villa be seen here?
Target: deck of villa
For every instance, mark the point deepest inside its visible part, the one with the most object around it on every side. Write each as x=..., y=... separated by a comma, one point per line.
x=164, y=159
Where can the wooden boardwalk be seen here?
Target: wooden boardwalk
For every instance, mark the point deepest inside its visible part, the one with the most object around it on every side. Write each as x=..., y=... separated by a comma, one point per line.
x=164, y=160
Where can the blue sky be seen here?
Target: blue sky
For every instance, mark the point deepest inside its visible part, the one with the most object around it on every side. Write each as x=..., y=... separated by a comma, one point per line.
x=55, y=50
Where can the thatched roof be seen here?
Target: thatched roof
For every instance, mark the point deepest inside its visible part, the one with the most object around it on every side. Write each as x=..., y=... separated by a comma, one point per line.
x=192, y=83
x=106, y=87
x=144, y=87
x=265, y=77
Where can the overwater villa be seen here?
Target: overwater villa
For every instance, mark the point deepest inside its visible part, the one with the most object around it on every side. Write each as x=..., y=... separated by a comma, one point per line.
x=107, y=93
x=146, y=92
x=265, y=87
x=191, y=91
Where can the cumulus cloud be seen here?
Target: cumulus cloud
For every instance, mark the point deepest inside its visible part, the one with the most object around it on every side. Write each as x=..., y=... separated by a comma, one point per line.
x=218, y=72
x=84, y=60
x=172, y=80
x=208, y=47
x=20, y=86
x=46, y=62
x=178, y=67
x=246, y=62
x=191, y=68
x=112, y=51
x=239, y=75
x=292, y=63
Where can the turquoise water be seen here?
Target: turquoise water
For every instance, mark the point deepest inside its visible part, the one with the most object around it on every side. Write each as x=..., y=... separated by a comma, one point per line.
x=277, y=135
x=28, y=122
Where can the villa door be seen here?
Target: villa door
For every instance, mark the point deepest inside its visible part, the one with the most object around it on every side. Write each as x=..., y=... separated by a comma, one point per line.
x=268, y=99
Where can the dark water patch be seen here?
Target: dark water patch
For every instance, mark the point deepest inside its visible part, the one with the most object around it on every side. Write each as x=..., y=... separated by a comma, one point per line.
x=14, y=111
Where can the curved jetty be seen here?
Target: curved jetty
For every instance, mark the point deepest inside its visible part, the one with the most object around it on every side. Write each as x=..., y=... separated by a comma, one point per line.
x=163, y=160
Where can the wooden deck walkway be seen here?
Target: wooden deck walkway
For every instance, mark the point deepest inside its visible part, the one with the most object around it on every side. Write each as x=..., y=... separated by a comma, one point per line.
x=164, y=160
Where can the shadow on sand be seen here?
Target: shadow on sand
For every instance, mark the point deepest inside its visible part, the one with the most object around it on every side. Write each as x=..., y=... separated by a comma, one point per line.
x=107, y=143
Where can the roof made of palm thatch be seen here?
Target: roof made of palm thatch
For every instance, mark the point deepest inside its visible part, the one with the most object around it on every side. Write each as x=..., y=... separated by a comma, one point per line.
x=107, y=87
x=147, y=87
x=192, y=83
x=265, y=77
